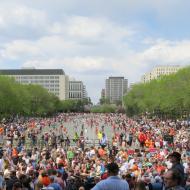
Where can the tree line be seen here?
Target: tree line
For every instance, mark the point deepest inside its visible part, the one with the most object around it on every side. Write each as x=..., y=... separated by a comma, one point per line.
x=105, y=108
x=167, y=96
x=32, y=100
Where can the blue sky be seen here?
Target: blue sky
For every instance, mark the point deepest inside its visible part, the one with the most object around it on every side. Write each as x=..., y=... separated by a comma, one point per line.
x=94, y=39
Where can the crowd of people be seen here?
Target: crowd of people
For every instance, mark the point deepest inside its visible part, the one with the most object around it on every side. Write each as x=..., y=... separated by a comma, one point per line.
x=84, y=151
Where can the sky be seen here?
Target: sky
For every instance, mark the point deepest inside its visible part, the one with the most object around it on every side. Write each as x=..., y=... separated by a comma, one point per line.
x=94, y=39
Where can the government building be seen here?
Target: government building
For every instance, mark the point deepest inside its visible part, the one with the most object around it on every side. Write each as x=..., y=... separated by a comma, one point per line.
x=54, y=80
x=160, y=71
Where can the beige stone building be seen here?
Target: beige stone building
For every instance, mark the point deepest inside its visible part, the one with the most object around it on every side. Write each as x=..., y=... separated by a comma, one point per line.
x=159, y=71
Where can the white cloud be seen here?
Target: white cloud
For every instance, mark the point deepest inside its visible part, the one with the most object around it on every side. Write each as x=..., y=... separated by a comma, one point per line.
x=91, y=29
x=20, y=21
x=75, y=37
x=75, y=64
x=55, y=51
x=84, y=27
x=132, y=65
x=24, y=15
x=166, y=52
x=45, y=47
x=19, y=48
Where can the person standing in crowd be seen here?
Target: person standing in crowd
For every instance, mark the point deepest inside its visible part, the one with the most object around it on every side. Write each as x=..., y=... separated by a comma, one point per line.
x=140, y=185
x=175, y=159
x=113, y=182
x=11, y=181
x=54, y=184
x=173, y=180
x=17, y=186
x=103, y=140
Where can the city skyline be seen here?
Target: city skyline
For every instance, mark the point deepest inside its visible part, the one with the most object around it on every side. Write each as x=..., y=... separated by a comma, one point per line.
x=91, y=40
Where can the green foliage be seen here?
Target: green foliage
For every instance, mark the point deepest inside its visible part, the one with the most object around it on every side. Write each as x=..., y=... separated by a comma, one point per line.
x=168, y=95
x=33, y=100
x=17, y=99
x=104, y=101
x=74, y=105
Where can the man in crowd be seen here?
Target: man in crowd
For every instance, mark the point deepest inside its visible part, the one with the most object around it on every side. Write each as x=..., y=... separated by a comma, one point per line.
x=173, y=180
x=113, y=182
x=175, y=159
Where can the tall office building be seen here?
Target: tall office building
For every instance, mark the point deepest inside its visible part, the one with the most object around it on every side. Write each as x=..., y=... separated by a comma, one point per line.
x=116, y=88
x=103, y=93
x=159, y=71
x=77, y=90
x=54, y=80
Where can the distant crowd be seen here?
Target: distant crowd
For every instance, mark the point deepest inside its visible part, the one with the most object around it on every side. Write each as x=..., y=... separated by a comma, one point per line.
x=59, y=153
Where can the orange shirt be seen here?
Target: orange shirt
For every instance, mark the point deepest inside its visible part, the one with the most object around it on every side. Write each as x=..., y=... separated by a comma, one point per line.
x=14, y=153
x=159, y=169
x=1, y=130
x=151, y=145
x=101, y=152
x=147, y=143
x=172, y=132
x=46, y=181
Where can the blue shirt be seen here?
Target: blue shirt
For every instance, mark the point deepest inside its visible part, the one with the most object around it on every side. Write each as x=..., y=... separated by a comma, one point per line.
x=55, y=186
x=112, y=183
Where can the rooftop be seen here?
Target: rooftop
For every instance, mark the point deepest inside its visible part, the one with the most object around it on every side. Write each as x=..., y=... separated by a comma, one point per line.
x=116, y=77
x=32, y=72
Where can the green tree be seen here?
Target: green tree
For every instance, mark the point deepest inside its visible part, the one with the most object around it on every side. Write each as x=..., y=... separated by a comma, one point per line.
x=168, y=95
x=18, y=99
x=104, y=101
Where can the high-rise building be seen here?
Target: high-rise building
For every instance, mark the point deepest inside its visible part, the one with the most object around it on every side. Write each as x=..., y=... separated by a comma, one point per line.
x=54, y=80
x=159, y=71
x=77, y=90
x=103, y=93
x=116, y=88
